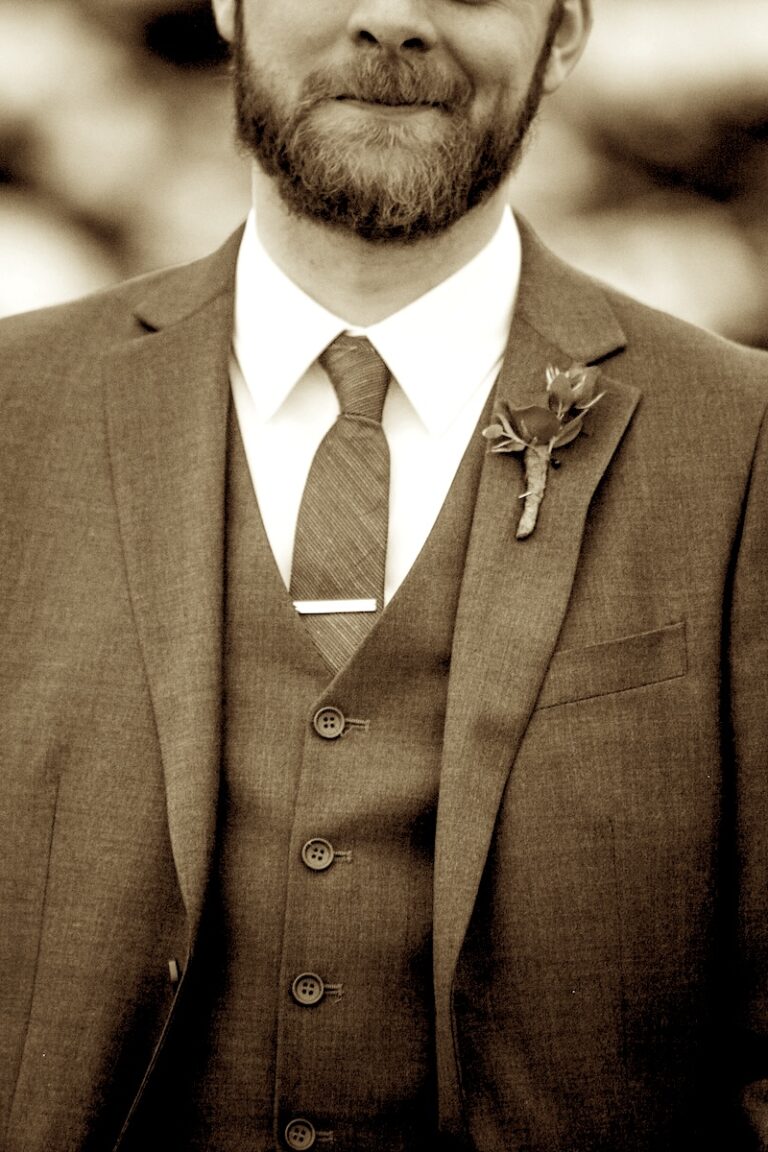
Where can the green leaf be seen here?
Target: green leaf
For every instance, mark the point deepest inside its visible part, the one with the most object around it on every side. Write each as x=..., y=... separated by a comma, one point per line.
x=568, y=432
x=587, y=404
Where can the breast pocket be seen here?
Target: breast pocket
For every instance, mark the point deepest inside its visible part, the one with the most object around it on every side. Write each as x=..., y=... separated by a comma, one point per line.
x=615, y=666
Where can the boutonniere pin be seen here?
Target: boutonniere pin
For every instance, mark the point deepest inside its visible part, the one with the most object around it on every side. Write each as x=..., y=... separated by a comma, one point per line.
x=537, y=431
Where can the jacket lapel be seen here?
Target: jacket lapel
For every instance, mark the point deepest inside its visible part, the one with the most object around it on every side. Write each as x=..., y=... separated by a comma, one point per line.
x=513, y=600
x=167, y=396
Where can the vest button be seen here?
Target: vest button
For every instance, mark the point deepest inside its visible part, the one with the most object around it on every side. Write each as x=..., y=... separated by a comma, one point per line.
x=328, y=723
x=317, y=854
x=308, y=989
x=300, y=1134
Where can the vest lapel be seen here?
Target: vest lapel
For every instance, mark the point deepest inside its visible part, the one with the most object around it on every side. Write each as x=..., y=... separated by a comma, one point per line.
x=167, y=399
x=513, y=600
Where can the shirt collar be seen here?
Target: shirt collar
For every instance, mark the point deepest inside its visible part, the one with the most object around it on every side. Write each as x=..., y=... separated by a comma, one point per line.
x=440, y=348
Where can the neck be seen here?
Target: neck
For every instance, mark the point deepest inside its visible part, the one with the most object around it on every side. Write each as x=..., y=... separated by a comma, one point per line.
x=359, y=281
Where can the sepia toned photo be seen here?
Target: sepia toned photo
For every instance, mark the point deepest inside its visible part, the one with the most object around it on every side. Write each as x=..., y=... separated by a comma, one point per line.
x=383, y=576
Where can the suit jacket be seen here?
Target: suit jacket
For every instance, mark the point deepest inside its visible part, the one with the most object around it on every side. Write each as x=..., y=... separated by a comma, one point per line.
x=601, y=858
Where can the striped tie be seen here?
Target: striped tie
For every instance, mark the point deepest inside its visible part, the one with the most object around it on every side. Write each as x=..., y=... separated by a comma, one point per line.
x=341, y=532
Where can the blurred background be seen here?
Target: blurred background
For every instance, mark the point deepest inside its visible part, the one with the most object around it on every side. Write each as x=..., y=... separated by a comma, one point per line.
x=649, y=169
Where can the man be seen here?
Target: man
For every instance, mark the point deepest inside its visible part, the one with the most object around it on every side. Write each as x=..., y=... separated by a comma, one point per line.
x=314, y=837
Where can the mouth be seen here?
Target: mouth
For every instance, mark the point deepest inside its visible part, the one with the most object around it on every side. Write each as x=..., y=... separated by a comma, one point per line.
x=404, y=106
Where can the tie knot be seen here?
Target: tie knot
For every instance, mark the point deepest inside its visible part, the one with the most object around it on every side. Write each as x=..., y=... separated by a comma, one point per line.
x=358, y=374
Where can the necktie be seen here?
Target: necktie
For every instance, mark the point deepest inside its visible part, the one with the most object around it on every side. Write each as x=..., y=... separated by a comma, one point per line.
x=341, y=533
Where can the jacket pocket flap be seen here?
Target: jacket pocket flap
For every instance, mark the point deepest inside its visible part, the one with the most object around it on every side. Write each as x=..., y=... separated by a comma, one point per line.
x=614, y=666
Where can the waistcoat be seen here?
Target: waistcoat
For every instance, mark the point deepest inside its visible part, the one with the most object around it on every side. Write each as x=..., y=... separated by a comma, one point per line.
x=313, y=1013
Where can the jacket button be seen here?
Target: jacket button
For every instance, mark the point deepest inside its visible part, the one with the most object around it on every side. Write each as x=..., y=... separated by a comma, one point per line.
x=328, y=723
x=308, y=989
x=317, y=854
x=300, y=1134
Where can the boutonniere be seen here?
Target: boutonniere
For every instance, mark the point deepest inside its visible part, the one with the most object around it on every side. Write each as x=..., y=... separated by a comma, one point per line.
x=537, y=431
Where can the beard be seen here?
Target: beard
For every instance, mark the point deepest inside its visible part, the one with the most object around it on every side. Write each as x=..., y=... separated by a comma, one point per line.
x=382, y=180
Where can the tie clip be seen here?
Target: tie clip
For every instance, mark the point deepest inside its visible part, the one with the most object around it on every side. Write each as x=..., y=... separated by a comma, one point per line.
x=318, y=607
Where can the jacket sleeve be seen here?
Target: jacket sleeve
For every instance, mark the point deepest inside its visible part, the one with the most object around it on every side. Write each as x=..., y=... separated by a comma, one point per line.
x=747, y=635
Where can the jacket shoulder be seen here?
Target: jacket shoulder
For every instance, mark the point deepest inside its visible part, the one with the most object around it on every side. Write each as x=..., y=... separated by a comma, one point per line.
x=669, y=346
x=72, y=332
x=692, y=366
x=647, y=348
x=110, y=310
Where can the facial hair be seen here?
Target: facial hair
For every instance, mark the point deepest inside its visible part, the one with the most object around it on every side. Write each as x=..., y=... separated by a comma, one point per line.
x=383, y=181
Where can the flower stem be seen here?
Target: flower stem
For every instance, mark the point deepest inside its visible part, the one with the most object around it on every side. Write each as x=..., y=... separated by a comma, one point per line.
x=536, y=461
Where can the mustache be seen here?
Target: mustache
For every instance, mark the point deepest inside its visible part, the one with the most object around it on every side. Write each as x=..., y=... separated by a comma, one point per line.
x=393, y=81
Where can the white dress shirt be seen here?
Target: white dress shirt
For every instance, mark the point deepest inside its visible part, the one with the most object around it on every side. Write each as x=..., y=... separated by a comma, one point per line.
x=444, y=351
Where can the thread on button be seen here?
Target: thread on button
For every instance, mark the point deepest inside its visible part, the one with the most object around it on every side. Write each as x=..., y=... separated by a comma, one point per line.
x=363, y=725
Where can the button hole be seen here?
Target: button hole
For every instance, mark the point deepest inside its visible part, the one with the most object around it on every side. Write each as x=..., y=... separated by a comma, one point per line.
x=173, y=971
